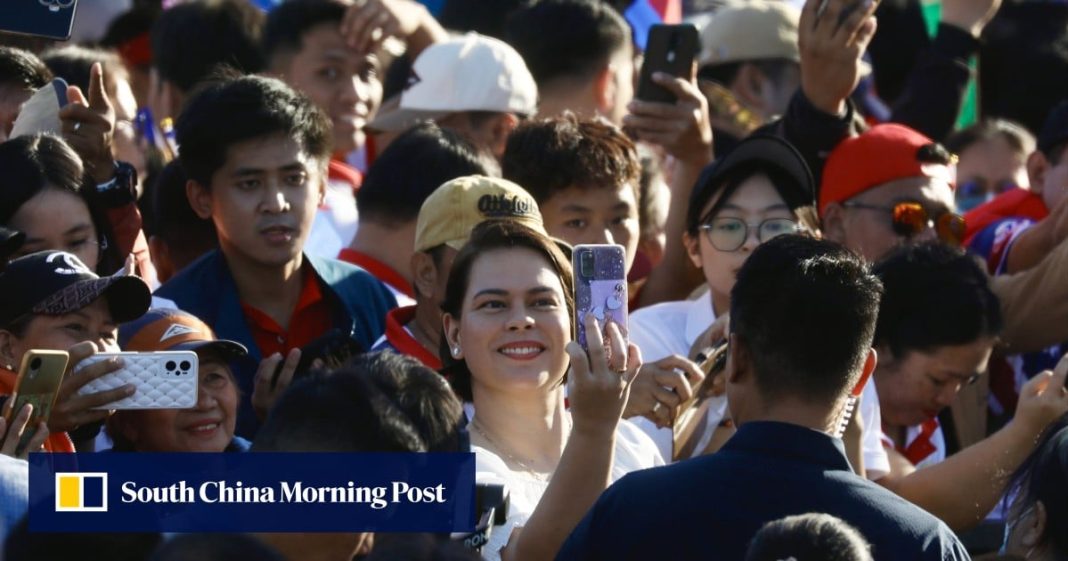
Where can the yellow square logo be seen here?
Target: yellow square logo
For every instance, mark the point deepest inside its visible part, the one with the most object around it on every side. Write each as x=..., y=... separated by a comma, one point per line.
x=81, y=492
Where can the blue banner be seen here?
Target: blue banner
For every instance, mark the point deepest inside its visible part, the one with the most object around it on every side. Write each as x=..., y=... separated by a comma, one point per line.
x=252, y=492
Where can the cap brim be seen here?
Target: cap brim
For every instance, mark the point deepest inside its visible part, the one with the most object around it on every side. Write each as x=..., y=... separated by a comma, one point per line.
x=228, y=350
x=766, y=149
x=128, y=297
x=399, y=120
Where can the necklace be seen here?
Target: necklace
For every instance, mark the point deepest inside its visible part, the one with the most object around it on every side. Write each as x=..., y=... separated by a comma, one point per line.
x=526, y=465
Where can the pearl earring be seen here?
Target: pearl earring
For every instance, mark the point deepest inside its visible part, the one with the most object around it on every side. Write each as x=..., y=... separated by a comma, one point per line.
x=456, y=351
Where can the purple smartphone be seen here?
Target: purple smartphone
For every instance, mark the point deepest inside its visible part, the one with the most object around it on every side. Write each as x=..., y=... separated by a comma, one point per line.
x=600, y=287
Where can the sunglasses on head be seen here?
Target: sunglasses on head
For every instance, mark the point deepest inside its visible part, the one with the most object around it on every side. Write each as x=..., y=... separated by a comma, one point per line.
x=910, y=219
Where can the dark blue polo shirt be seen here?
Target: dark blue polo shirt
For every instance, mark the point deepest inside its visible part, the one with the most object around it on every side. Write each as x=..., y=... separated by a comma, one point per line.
x=710, y=507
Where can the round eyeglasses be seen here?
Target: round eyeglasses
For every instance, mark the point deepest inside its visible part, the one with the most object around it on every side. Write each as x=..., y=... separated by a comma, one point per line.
x=729, y=234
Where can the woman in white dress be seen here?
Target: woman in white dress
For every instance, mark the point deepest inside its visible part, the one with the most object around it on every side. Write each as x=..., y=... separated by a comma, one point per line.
x=508, y=308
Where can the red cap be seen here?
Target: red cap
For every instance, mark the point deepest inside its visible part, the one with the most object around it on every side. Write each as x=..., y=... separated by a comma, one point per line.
x=882, y=154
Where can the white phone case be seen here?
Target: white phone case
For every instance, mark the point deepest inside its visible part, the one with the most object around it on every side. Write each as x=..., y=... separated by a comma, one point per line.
x=164, y=379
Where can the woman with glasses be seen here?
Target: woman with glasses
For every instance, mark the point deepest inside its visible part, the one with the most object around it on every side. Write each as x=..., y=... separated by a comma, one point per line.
x=760, y=190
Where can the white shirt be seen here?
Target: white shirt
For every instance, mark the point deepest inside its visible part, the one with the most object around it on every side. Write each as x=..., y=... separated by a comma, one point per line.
x=671, y=328
x=633, y=451
x=335, y=221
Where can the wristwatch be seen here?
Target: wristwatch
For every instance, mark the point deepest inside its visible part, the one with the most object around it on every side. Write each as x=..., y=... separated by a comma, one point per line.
x=121, y=190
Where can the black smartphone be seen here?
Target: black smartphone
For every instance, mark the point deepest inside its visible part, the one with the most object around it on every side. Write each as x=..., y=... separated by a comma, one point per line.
x=334, y=348
x=671, y=50
x=41, y=18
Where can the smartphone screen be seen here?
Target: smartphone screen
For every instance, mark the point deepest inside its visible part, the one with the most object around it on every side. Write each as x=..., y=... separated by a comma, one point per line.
x=42, y=18
x=600, y=287
x=671, y=49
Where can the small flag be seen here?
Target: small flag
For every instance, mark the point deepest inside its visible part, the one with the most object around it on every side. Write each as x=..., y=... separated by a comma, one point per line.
x=81, y=492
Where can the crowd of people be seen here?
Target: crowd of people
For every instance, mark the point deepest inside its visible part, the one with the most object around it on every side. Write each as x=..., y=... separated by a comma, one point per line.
x=360, y=215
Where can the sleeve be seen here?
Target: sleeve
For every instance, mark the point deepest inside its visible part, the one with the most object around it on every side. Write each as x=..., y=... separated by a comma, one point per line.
x=935, y=88
x=815, y=133
x=994, y=242
x=1034, y=303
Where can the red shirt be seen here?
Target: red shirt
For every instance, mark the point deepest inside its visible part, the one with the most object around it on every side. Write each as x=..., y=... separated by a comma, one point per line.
x=309, y=321
x=378, y=270
x=399, y=338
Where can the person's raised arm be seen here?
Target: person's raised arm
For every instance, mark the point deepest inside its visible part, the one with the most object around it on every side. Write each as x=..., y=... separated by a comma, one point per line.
x=966, y=486
x=1034, y=244
x=1034, y=304
x=599, y=387
x=684, y=129
x=369, y=22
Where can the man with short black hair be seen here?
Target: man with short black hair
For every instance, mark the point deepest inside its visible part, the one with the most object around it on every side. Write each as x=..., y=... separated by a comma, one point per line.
x=260, y=179
x=803, y=315
x=580, y=54
x=411, y=168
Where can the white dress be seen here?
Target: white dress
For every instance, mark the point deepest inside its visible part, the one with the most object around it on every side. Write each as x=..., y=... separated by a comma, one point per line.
x=634, y=451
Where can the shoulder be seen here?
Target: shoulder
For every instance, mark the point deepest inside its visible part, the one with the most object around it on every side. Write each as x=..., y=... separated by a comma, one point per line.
x=190, y=281
x=634, y=449
x=660, y=330
x=349, y=280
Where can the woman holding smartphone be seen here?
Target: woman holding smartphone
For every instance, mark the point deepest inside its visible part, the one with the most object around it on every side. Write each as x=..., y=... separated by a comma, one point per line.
x=508, y=325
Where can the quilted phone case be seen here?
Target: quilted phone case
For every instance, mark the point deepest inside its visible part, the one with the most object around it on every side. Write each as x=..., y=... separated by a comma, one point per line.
x=164, y=380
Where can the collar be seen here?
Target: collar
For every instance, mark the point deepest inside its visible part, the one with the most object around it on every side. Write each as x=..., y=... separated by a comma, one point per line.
x=790, y=441
x=699, y=316
x=338, y=170
x=401, y=339
x=378, y=269
x=310, y=294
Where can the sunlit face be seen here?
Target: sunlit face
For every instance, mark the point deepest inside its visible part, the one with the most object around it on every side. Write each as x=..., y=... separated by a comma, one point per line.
x=57, y=219
x=514, y=325
x=92, y=323
x=914, y=388
x=207, y=427
x=754, y=201
x=263, y=200
x=871, y=233
x=594, y=215
x=987, y=168
x=343, y=82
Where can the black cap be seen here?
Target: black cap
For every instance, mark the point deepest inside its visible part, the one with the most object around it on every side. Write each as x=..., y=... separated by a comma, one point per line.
x=1055, y=128
x=10, y=242
x=762, y=151
x=56, y=283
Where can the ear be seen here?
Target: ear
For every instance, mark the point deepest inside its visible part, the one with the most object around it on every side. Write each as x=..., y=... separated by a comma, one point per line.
x=452, y=334
x=834, y=227
x=870, y=363
x=1033, y=529
x=501, y=128
x=748, y=87
x=1037, y=168
x=160, y=253
x=604, y=90
x=199, y=198
x=424, y=274
x=693, y=248
x=738, y=360
x=10, y=350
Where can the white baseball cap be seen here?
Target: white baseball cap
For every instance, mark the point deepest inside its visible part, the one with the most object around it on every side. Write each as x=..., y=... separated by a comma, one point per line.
x=467, y=73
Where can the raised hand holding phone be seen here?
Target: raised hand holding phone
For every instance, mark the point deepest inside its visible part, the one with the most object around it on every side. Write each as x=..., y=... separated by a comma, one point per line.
x=73, y=410
x=18, y=435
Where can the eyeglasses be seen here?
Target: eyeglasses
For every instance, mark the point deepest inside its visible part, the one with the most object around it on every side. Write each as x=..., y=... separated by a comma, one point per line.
x=729, y=234
x=911, y=219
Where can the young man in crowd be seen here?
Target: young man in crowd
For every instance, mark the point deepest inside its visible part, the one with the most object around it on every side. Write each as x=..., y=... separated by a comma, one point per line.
x=176, y=235
x=580, y=54
x=260, y=179
x=444, y=224
x=304, y=46
x=408, y=171
x=475, y=85
x=793, y=295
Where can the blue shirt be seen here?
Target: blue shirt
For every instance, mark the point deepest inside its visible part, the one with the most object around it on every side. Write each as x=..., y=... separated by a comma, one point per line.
x=710, y=507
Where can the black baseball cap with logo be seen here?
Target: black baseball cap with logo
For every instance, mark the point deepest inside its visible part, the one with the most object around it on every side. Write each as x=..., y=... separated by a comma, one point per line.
x=57, y=283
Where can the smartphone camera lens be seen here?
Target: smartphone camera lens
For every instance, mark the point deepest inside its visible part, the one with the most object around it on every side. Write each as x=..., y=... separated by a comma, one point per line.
x=170, y=365
x=35, y=364
x=185, y=365
x=586, y=264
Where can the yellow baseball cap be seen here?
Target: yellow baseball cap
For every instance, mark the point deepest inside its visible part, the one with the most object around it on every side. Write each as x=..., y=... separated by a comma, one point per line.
x=457, y=206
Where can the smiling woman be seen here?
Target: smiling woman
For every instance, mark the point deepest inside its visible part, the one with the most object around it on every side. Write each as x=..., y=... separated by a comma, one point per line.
x=508, y=308
x=47, y=198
